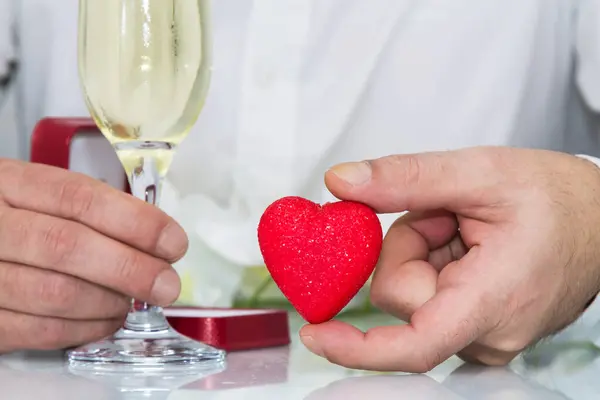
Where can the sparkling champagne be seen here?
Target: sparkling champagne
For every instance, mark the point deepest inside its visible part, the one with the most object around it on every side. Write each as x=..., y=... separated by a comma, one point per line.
x=145, y=71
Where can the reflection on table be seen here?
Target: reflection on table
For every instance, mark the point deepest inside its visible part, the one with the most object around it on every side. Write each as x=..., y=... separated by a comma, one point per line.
x=552, y=371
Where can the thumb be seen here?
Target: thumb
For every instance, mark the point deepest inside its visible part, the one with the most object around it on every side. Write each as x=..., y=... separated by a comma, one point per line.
x=448, y=180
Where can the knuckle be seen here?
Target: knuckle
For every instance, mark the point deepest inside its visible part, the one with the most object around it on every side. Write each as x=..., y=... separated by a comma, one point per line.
x=128, y=270
x=377, y=293
x=127, y=264
x=489, y=358
x=76, y=198
x=496, y=361
x=413, y=170
x=430, y=361
x=503, y=169
x=391, y=297
x=490, y=160
x=377, y=297
x=383, y=300
x=511, y=345
x=407, y=167
x=60, y=240
x=59, y=294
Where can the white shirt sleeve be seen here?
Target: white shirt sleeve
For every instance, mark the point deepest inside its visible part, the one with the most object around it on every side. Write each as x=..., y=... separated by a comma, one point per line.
x=587, y=47
x=7, y=45
x=594, y=160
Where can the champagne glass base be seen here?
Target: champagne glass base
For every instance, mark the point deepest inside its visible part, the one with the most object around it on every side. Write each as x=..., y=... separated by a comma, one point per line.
x=129, y=350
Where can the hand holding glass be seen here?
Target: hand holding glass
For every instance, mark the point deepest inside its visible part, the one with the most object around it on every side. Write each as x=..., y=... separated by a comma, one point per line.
x=145, y=70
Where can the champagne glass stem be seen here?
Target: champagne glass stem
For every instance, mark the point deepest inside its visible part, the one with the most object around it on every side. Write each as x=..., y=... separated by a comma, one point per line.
x=146, y=341
x=145, y=183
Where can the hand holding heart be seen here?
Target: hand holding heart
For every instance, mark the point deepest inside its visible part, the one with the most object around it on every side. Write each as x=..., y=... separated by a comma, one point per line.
x=500, y=248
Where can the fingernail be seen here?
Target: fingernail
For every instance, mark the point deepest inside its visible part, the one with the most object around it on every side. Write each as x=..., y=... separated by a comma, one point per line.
x=312, y=345
x=173, y=242
x=355, y=173
x=166, y=289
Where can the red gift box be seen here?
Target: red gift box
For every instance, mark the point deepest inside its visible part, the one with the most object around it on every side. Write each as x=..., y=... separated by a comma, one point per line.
x=232, y=329
x=77, y=144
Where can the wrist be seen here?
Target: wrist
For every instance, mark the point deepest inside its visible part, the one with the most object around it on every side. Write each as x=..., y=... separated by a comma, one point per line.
x=595, y=163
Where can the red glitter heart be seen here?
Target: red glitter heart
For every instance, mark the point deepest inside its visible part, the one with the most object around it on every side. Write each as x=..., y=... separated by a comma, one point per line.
x=319, y=256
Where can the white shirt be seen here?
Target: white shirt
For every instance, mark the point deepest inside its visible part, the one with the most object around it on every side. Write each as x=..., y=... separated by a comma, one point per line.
x=300, y=85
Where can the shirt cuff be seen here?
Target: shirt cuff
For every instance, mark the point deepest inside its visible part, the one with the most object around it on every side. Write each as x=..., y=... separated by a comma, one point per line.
x=590, y=158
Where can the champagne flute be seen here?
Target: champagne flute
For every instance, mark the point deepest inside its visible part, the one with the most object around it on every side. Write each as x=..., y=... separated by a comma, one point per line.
x=145, y=69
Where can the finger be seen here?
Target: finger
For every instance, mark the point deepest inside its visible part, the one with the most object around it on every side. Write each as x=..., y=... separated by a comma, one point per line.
x=65, y=246
x=403, y=291
x=64, y=194
x=403, y=280
x=480, y=354
x=434, y=227
x=46, y=293
x=29, y=332
x=446, y=324
x=451, y=180
x=452, y=251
